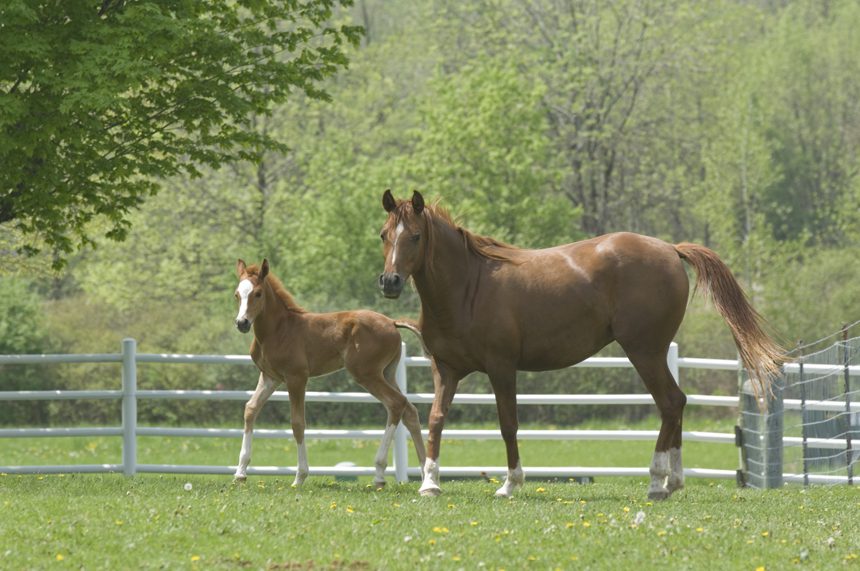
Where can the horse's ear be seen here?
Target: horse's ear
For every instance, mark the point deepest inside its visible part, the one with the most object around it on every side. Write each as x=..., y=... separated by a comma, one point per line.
x=388, y=202
x=240, y=267
x=417, y=202
x=264, y=269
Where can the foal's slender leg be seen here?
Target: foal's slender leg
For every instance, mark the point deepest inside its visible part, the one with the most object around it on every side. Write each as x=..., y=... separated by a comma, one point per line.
x=265, y=388
x=505, y=388
x=667, y=470
x=296, y=387
x=445, y=382
x=410, y=415
x=395, y=404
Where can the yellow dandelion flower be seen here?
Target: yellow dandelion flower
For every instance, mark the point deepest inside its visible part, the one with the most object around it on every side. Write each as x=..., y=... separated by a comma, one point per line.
x=118, y=522
x=760, y=568
x=541, y=490
x=438, y=529
x=700, y=529
x=765, y=533
x=532, y=558
x=586, y=524
x=195, y=558
x=626, y=509
x=431, y=542
x=396, y=505
x=473, y=523
x=451, y=506
x=455, y=558
x=60, y=557
x=569, y=524
x=661, y=533
x=333, y=505
x=349, y=509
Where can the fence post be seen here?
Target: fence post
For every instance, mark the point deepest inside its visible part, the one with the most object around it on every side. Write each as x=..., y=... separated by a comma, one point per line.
x=401, y=449
x=129, y=407
x=762, y=434
x=672, y=361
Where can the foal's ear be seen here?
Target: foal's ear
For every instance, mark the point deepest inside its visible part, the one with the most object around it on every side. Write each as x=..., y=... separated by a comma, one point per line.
x=417, y=202
x=264, y=269
x=240, y=267
x=388, y=202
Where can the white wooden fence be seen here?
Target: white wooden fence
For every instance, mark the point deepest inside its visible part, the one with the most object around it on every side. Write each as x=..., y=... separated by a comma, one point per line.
x=129, y=430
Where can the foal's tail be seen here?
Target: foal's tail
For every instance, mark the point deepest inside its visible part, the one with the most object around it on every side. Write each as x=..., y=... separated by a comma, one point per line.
x=761, y=356
x=413, y=327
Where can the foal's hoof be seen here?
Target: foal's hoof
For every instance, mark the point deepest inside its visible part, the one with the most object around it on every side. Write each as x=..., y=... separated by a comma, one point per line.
x=240, y=479
x=379, y=485
x=659, y=495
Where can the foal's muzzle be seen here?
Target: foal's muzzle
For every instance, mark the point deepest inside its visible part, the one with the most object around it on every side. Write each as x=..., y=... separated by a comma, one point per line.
x=391, y=284
x=243, y=325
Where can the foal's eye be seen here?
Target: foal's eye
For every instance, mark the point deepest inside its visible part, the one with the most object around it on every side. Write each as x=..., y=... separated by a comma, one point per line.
x=415, y=237
x=382, y=236
x=258, y=294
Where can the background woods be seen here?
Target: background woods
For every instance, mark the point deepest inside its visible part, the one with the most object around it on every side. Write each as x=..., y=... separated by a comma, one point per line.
x=729, y=123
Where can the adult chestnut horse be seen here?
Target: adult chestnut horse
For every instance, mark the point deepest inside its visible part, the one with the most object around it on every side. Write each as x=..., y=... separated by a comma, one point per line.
x=494, y=308
x=291, y=344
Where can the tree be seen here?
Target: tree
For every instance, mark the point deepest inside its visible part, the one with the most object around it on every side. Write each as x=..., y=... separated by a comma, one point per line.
x=100, y=100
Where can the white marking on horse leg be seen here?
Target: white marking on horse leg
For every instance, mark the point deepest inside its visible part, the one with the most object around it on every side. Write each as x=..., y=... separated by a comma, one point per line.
x=515, y=479
x=244, y=289
x=397, y=232
x=302, y=469
x=244, y=457
x=430, y=486
x=382, y=455
x=676, y=476
x=659, y=473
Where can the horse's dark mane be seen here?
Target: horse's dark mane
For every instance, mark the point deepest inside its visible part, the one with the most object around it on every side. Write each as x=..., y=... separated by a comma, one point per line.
x=483, y=246
x=278, y=288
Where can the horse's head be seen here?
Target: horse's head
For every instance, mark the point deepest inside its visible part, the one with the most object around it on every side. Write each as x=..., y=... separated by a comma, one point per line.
x=249, y=293
x=404, y=237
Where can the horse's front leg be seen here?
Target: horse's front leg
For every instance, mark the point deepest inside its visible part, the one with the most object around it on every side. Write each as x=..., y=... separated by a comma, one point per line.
x=265, y=388
x=296, y=386
x=505, y=388
x=445, y=383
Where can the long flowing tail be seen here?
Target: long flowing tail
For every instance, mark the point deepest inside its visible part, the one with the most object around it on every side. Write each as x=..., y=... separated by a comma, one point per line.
x=761, y=356
x=413, y=327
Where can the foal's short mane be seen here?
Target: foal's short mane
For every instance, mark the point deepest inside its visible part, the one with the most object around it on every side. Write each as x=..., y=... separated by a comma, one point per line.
x=482, y=246
x=278, y=288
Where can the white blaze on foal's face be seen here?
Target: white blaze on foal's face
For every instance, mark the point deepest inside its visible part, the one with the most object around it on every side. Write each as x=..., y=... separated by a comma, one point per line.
x=243, y=293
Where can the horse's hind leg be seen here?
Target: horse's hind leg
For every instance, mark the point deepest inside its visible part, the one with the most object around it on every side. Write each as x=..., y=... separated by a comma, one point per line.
x=410, y=414
x=296, y=386
x=265, y=388
x=395, y=405
x=667, y=470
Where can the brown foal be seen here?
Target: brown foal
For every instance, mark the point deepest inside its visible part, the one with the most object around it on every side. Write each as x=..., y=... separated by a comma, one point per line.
x=494, y=308
x=291, y=344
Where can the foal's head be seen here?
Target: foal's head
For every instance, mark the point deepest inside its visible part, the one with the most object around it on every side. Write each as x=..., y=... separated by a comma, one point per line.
x=249, y=293
x=404, y=237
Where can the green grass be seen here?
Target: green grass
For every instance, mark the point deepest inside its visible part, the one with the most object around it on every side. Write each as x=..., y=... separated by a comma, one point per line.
x=150, y=522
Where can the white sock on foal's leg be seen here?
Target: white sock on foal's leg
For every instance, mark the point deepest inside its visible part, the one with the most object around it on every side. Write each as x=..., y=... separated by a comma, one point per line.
x=676, y=474
x=302, y=468
x=381, y=461
x=244, y=457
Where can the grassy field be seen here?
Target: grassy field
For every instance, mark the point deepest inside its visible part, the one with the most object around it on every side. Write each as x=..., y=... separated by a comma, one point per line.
x=155, y=522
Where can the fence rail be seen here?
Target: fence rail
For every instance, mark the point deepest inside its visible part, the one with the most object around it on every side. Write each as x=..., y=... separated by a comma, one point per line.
x=130, y=430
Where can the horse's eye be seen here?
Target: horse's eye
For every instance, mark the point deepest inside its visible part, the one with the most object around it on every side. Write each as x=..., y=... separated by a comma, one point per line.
x=416, y=237
x=382, y=236
x=258, y=294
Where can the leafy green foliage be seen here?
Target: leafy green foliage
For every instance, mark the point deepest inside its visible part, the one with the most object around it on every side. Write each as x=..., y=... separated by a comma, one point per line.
x=100, y=101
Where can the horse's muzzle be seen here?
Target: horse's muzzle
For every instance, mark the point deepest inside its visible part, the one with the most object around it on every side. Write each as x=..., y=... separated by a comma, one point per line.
x=243, y=325
x=391, y=284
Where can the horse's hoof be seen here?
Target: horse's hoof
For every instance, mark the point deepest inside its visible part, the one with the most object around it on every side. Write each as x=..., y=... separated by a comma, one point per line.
x=240, y=479
x=379, y=485
x=430, y=491
x=658, y=495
